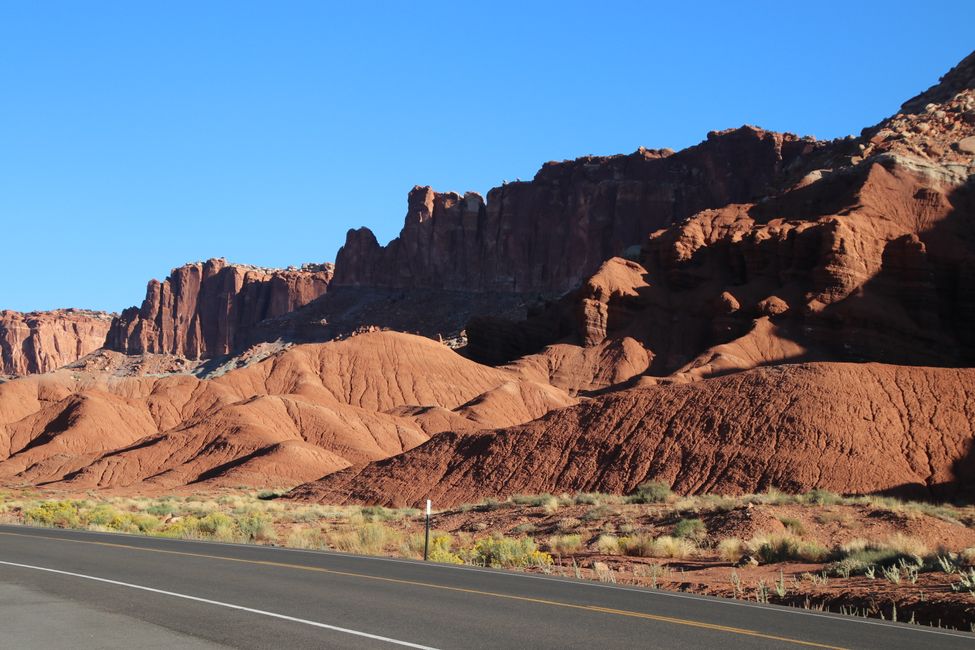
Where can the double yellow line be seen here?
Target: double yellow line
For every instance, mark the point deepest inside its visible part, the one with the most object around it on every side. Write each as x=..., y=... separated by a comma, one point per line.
x=429, y=585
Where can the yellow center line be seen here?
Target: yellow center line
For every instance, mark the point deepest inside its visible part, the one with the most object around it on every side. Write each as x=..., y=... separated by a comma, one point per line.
x=429, y=585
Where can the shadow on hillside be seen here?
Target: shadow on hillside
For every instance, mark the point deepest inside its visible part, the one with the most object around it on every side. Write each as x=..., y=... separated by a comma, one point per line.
x=960, y=490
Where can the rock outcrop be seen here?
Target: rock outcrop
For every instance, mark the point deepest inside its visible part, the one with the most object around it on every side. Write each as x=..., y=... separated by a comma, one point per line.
x=547, y=235
x=207, y=309
x=41, y=341
x=867, y=256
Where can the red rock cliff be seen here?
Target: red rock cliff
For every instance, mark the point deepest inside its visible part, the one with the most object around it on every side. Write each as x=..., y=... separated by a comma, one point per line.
x=205, y=309
x=549, y=234
x=44, y=340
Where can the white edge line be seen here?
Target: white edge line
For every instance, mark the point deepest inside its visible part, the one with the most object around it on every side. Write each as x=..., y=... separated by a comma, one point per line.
x=715, y=600
x=207, y=601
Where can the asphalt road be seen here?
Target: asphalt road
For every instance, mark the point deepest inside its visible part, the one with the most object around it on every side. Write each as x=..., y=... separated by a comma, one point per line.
x=72, y=589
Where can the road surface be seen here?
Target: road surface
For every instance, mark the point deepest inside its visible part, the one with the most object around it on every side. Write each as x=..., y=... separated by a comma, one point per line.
x=77, y=589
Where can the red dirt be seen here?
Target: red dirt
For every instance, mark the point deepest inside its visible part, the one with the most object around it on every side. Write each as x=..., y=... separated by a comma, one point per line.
x=292, y=417
x=850, y=428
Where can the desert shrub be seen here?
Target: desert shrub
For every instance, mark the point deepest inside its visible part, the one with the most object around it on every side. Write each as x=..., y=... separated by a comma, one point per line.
x=565, y=544
x=216, y=525
x=675, y=547
x=822, y=498
x=101, y=515
x=854, y=545
x=162, y=509
x=830, y=517
x=184, y=527
x=651, y=492
x=533, y=500
x=256, y=527
x=439, y=551
x=858, y=555
x=377, y=513
x=731, y=549
x=608, y=544
x=525, y=529
x=506, y=552
x=718, y=503
x=596, y=514
x=367, y=539
x=690, y=529
x=793, y=525
x=60, y=514
x=664, y=546
x=569, y=523
x=588, y=499
x=906, y=545
x=967, y=556
x=310, y=538
x=773, y=497
x=637, y=545
x=444, y=556
x=785, y=548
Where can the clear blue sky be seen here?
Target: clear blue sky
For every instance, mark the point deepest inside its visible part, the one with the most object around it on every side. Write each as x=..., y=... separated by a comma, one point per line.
x=136, y=136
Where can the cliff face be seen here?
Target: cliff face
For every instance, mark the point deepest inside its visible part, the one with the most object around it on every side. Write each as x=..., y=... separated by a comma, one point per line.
x=206, y=309
x=45, y=340
x=867, y=255
x=549, y=234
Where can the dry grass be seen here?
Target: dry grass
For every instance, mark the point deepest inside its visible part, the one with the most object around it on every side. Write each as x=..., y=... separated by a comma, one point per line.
x=565, y=544
x=731, y=549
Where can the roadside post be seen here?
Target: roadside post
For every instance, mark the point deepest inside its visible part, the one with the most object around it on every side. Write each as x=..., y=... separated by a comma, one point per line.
x=426, y=541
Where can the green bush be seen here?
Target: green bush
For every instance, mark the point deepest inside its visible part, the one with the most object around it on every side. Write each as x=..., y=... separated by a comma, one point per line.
x=378, y=513
x=794, y=525
x=216, y=525
x=101, y=515
x=822, y=498
x=651, y=492
x=785, y=548
x=256, y=526
x=163, y=509
x=690, y=529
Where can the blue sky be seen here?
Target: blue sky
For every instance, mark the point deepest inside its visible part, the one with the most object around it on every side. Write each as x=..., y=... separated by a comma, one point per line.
x=136, y=136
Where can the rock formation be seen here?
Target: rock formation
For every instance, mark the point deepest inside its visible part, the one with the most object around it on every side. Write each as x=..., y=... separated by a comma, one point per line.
x=549, y=234
x=292, y=417
x=867, y=255
x=849, y=428
x=689, y=317
x=41, y=341
x=207, y=309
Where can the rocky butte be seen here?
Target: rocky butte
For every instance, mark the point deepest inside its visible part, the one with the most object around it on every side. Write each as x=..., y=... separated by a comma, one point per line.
x=41, y=341
x=206, y=309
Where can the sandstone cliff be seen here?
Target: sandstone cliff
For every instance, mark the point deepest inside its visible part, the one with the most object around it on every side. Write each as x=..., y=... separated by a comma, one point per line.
x=548, y=234
x=44, y=340
x=207, y=309
x=868, y=255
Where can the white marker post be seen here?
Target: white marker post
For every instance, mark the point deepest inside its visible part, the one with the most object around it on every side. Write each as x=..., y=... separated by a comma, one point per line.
x=426, y=543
